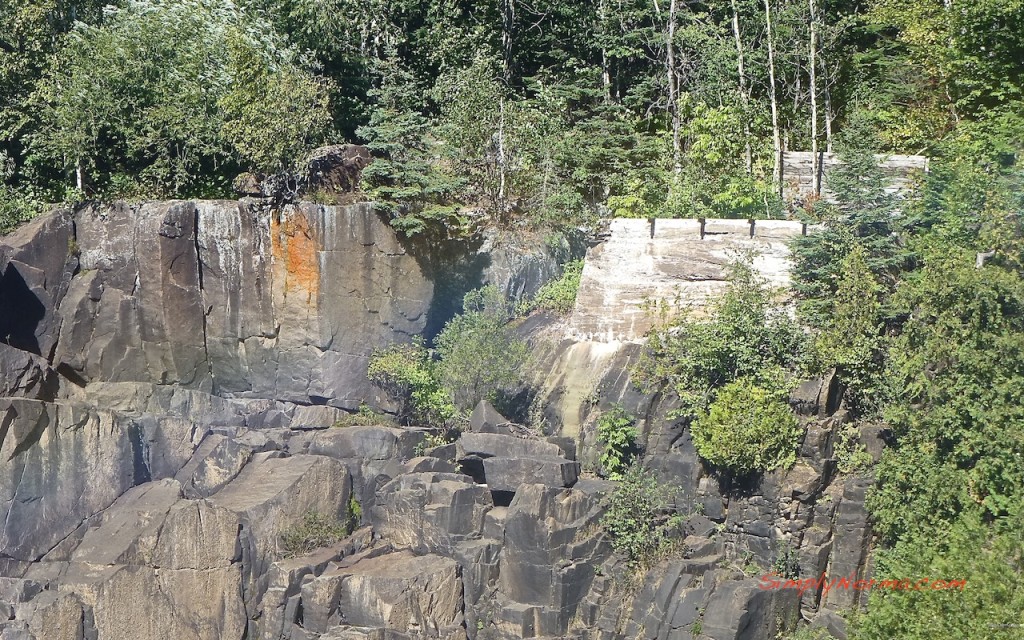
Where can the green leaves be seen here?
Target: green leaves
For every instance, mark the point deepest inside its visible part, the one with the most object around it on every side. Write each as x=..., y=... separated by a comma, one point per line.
x=748, y=428
x=175, y=92
x=617, y=433
x=407, y=374
x=745, y=335
x=560, y=295
x=480, y=357
x=477, y=358
x=638, y=515
x=990, y=560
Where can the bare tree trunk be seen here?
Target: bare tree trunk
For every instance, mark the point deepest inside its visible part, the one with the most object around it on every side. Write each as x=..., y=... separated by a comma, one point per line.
x=673, y=86
x=813, y=64
x=776, y=136
x=79, y=178
x=606, y=76
x=501, y=159
x=829, y=116
x=748, y=156
x=508, y=18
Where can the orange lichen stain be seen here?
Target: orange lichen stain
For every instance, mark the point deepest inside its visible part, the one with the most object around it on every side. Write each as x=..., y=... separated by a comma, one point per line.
x=294, y=247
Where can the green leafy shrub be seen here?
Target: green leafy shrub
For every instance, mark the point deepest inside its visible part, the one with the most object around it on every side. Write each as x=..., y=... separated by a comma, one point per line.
x=365, y=416
x=408, y=375
x=748, y=428
x=480, y=356
x=745, y=334
x=638, y=517
x=560, y=295
x=617, y=433
x=989, y=559
x=316, y=530
x=848, y=451
x=355, y=514
x=14, y=210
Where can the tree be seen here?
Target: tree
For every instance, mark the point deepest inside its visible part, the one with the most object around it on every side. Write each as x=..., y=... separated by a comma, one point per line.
x=864, y=215
x=851, y=339
x=745, y=335
x=163, y=86
x=479, y=355
x=407, y=180
x=988, y=559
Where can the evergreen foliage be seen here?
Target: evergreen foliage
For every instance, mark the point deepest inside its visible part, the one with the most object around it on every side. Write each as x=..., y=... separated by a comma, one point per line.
x=748, y=428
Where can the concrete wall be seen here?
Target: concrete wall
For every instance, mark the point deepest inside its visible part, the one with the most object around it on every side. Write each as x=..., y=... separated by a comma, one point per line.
x=798, y=173
x=681, y=263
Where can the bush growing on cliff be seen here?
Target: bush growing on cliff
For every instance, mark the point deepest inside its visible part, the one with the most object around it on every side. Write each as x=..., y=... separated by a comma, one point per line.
x=749, y=428
x=406, y=373
x=316, y=530
x=480, y=356
x=617, y=432
x=560, y=295
x=745, y=335
x=639, y=516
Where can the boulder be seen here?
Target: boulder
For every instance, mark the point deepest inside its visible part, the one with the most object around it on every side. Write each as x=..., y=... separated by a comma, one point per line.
x=741, y=610
x=430, y=512
x=508, y=474
x=25, y=375
x=547, y=558
x=37, y=263
x=488, y=445
x=419, y=595
x=336, y=169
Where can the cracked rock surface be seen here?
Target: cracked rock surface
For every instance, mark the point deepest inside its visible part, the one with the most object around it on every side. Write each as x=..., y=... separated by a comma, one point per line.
x=171, y=375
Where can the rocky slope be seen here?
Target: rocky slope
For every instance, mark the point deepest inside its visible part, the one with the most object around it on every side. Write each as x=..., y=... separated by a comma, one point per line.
x=170, y=376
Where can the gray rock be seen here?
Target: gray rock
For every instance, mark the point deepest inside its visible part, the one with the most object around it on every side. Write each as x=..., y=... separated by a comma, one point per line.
x=67, y=462
x=36, y=266
x=430, y=512
x=365, y=443
x=508, y=474
x=486, y=419
x=421, y=595
x=831, y=622
x=740, y=610
x=487, y=445
x=25, y=375
x=226, y=296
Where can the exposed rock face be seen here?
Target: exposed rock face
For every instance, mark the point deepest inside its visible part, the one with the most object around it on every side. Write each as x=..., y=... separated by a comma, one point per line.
x=169, y=377
x=237, y=299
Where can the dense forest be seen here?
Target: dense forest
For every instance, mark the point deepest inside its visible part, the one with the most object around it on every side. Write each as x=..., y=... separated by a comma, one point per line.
x=546, y=114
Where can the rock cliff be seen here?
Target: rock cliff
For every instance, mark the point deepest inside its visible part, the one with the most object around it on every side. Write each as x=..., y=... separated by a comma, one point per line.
x=170, y=374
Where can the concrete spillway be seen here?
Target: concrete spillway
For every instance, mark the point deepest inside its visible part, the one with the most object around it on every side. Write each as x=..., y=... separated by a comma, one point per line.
x=645, y=270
